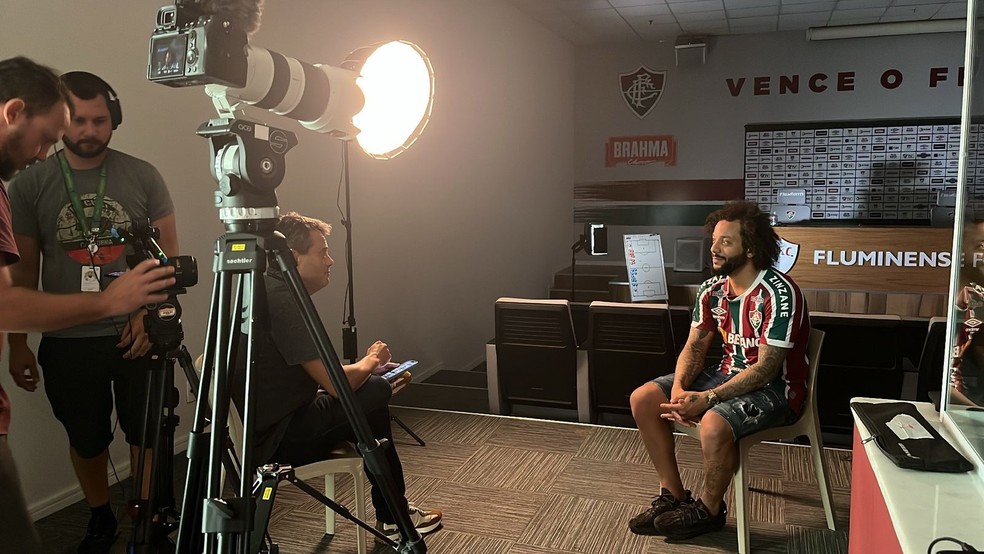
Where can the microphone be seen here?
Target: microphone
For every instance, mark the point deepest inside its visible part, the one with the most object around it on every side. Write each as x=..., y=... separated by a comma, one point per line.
x=242, y=13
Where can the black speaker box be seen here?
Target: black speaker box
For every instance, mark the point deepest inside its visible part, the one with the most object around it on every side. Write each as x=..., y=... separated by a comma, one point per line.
x=692, y=254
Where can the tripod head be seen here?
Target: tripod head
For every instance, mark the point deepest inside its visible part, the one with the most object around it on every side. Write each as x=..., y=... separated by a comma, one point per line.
x=248, y=163
x=163, y=322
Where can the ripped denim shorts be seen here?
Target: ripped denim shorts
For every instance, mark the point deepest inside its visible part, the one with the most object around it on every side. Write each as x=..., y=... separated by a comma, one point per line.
x=748, y=413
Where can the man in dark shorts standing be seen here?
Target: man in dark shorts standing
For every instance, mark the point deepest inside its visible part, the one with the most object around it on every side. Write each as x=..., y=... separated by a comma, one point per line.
x=763, y=320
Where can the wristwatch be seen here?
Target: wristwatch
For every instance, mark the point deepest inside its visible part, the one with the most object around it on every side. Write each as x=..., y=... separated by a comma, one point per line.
x=712, y=399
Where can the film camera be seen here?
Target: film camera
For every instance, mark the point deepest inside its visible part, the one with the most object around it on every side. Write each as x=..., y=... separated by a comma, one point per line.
x=194, y=46
x=163, y=320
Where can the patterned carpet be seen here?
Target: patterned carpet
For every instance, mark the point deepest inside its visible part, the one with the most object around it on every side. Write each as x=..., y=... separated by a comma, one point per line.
x=518, y=486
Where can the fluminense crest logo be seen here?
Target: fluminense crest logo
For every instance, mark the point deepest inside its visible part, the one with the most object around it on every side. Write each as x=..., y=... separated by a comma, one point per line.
x=642, y=89
x=788, y=252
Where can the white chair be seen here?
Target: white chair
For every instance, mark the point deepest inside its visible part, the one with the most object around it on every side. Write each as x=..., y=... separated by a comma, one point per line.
x=808, y=424
x=344, y=459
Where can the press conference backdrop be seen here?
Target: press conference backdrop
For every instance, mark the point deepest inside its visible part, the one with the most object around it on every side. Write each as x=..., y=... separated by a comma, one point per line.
x=881, y=170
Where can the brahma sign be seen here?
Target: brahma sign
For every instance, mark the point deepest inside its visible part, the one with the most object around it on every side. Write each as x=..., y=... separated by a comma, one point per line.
x=640, y=150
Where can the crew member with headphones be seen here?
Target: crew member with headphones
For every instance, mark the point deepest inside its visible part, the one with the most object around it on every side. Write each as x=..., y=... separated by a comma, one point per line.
x=64, y=211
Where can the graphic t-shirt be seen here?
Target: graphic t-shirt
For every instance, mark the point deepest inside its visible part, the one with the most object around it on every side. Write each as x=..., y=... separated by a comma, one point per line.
x=772, y=311
x=135, y=193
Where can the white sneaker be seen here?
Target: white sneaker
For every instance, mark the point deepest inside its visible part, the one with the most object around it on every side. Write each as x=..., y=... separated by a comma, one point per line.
x=425, y=521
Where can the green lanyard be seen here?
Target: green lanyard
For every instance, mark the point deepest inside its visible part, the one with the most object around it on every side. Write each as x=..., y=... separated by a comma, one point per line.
x=88, y=230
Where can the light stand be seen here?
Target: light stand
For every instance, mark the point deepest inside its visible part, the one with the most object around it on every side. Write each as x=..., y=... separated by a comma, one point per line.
x=575, y=248
x=593, y=240
x=350, y=334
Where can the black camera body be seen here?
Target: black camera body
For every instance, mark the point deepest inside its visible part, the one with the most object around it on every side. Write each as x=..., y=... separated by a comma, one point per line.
x=163, y=320
x=143, y=240
x=191, y=46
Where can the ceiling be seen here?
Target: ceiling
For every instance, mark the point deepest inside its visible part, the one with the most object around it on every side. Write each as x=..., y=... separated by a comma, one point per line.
x=589, y=22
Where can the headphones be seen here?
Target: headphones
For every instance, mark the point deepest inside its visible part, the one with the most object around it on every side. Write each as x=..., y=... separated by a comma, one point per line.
x=112, y=100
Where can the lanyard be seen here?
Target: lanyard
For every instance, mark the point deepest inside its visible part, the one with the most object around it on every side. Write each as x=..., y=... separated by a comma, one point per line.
x=89, y=231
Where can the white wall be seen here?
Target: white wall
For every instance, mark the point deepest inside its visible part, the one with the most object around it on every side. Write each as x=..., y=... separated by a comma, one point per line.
x=699, y=110
x=478, y=208
x=707, y=121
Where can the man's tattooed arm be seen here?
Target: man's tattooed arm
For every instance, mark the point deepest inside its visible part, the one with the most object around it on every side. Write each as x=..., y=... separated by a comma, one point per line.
x=691, y=360
x=755, y=376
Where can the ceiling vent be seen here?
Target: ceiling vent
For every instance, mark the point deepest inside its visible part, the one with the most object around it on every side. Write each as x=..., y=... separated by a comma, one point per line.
x=691, y=43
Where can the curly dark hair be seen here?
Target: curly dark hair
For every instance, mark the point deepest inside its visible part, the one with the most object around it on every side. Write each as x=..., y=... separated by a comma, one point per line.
x=757, y=234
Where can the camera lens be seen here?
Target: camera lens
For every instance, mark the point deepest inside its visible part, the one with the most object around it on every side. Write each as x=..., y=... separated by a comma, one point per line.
x=185, y=271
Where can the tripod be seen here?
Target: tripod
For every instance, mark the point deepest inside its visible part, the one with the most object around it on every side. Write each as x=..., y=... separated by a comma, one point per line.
x=240, y=524
x=156, y=516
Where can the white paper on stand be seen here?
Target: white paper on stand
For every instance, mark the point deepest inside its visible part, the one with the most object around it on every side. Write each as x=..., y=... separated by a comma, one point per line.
x=644, y=263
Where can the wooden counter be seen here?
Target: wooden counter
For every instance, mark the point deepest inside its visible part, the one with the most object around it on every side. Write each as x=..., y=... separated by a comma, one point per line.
x=857, y=270
x=914, y=260
x=871, y=270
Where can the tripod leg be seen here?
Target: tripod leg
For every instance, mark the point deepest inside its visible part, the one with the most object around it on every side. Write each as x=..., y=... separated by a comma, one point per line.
x=190, y=539
x=338, y=508
x=145, y=509
x=409, y=431
x=230, y=461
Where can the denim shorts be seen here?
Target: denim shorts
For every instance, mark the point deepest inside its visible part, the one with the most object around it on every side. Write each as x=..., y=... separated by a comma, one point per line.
x=746, y=414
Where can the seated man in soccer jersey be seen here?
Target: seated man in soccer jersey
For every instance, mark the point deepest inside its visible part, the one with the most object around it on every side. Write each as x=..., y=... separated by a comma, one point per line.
x=759, y=383
x=299, y=418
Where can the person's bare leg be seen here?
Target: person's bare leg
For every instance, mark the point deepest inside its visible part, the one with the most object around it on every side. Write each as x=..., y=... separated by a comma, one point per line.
x=717, y=443
x=91, y=473
x=657, y=436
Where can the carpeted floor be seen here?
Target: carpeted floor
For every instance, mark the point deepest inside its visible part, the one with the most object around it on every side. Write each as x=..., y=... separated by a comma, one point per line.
x=518, y=486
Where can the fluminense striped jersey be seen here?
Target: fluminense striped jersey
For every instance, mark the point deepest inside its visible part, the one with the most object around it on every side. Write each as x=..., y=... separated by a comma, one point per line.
x=772, y=311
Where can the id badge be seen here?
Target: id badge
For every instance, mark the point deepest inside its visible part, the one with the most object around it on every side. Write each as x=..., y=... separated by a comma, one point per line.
x=90, y=278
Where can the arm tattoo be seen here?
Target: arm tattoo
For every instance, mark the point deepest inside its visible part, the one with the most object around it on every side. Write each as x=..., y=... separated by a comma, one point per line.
x=691, y=360
x=755, y=376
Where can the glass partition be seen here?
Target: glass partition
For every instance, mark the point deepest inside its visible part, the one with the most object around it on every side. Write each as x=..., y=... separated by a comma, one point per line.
x=963, y=401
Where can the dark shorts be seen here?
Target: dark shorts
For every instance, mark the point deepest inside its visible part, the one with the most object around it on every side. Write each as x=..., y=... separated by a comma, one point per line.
x=82, y=378
x=746, y=414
